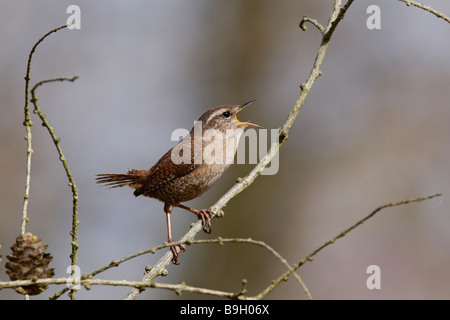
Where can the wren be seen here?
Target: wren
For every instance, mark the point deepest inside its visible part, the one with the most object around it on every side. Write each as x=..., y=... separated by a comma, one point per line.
x=190, y=168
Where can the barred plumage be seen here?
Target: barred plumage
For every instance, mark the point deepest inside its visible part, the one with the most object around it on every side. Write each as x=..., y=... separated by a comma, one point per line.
x=134, y=178
x=173, y=182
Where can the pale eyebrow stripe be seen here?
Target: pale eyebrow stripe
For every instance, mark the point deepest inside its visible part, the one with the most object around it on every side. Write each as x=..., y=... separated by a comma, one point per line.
x=215, y=113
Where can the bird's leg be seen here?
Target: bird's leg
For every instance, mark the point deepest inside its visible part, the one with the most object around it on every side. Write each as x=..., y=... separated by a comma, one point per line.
x=168, y=211
x=202, y=215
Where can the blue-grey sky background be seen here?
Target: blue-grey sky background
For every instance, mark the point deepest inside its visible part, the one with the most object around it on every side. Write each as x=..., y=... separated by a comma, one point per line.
x=375, y=128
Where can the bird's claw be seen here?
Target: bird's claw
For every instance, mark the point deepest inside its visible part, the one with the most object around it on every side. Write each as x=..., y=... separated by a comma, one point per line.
x=176, y=249
x=206, y=220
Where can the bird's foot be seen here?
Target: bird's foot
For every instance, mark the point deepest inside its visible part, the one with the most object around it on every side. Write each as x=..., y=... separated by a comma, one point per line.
x=176, y=249
x=206, y=220
x=202, y=215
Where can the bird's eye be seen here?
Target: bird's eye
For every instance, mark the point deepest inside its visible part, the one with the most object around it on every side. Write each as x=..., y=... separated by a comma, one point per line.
x=226, y=114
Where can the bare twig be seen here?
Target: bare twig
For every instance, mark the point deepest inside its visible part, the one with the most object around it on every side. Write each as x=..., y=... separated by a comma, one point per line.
x=219, y=240
x=314, y=22
x=262, y=244
x=62, y=158
x=426, y=8
x=87, y=281
x=28, y=123
x=340, y=235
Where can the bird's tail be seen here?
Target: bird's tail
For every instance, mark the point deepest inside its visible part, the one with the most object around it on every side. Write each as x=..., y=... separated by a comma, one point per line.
x=134, y=178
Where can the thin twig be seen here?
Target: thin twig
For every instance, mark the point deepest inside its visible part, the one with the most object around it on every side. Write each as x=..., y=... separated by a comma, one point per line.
x=62, y=158
x=426, y=8
x=182, y=287
x=115, y=263
x=87, y=280
x=87, y=283
x=28, y=123
x=314, y=22
x=340, y=235
x=262, y=244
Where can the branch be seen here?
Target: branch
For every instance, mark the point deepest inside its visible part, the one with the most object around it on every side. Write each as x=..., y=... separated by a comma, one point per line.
x=426, y=8
x=262, y=244
x=340, y=235
x=314, y=22
x=182, y=287
x=62, y=158
x=336, y=15
x=267, y=247
x=28, y=123
x=87, y=281
x=220, y=241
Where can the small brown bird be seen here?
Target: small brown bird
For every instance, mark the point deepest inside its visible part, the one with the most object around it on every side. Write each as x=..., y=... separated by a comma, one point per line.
x=191, y=167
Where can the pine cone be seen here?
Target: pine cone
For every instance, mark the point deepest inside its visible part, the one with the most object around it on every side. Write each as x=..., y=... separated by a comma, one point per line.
x=29, y=261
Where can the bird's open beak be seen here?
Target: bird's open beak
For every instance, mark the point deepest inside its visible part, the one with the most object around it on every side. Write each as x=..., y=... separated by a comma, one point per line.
x=246, y=123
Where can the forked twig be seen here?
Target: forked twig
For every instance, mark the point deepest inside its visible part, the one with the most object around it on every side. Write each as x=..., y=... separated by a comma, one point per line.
x=62, y=158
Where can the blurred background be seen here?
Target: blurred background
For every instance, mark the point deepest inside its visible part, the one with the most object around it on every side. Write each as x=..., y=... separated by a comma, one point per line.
x=375, y=129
